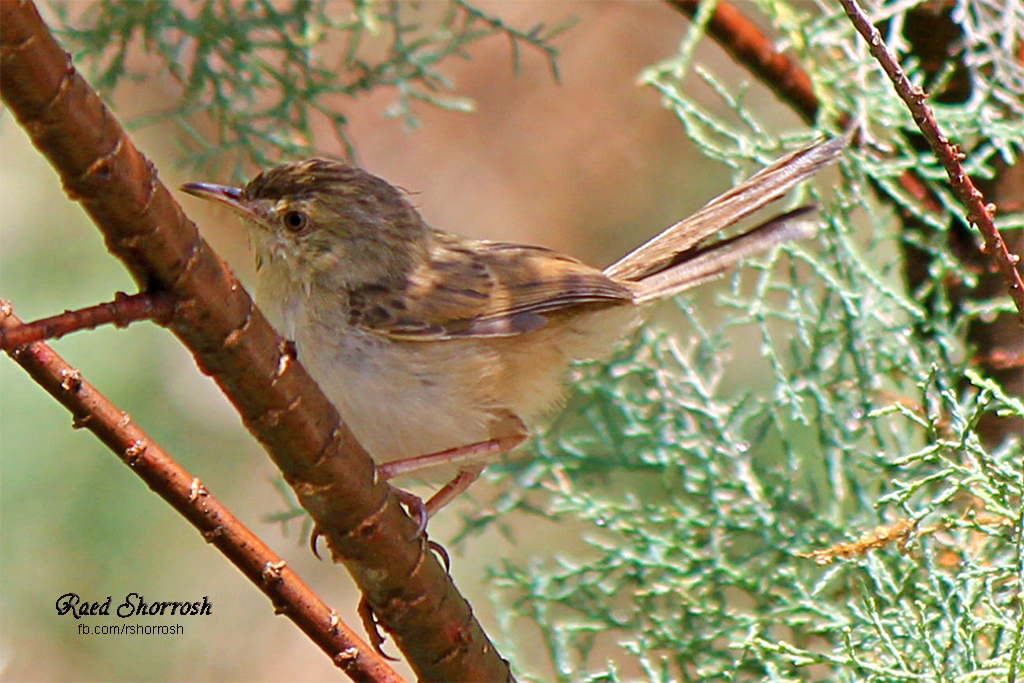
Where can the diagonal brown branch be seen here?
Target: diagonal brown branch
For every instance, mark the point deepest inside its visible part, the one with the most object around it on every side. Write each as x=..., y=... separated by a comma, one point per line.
x=332, y=475
x=749, y=46
x=949, y=155
x=193, y=501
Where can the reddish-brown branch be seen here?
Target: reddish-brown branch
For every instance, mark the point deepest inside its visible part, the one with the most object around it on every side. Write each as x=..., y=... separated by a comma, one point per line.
x=933, y=37
x=332, y=475
x=749, y=45
x=741, y=38
x=949, y=155
x=122, y=311
x=186, y=494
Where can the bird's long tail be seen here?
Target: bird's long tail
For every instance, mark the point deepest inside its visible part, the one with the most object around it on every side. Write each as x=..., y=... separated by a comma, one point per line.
x=674, y=260
x=706, y=263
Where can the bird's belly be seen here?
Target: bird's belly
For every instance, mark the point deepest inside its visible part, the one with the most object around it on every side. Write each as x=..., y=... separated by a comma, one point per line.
x=399, y=399
x=406, y=398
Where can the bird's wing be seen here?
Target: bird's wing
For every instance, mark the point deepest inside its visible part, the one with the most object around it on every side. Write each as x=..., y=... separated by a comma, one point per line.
x=470, y=288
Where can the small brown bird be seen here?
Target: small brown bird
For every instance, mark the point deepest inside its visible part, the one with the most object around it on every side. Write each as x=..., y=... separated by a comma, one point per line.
x=439, y=349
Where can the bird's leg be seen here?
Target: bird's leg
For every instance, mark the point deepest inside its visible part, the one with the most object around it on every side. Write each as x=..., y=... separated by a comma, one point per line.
x=447, y=493
x=470, y=459
x=465, y=457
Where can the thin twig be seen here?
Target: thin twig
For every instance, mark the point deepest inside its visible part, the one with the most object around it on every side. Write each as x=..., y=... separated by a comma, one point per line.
x=901, y=532
x=879, y=537
x=186, y=494
x=122, y=311
x=978, y=213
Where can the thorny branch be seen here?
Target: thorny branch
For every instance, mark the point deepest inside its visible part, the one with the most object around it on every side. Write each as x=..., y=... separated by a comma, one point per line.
x=998, y=343
x=978, y=212
x=186, y=494
x=748, y=44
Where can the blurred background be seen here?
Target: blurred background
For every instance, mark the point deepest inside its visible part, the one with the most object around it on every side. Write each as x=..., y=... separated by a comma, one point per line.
x=591, y=166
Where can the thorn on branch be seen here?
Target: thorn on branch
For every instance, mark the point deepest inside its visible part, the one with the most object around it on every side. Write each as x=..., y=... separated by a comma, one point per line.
x=71, y=380
x=134, y=452
x=196, y=489
x=272, y=572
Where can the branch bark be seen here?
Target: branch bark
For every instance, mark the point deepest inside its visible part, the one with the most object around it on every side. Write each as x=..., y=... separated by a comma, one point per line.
x=332, y=475
x=187, y=494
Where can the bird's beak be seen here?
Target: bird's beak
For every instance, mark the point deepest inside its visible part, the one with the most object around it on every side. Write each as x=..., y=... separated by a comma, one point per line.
x=232, y=197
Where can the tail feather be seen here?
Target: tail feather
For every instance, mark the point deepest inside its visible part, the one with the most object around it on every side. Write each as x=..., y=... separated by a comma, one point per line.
x=765, y=186
x=690, y=269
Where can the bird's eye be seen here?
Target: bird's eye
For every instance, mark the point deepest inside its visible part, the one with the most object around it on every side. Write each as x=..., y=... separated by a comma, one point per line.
x=296, y=221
